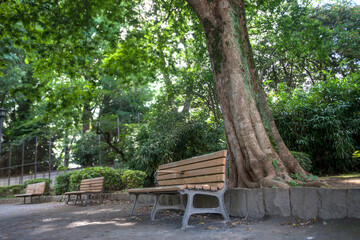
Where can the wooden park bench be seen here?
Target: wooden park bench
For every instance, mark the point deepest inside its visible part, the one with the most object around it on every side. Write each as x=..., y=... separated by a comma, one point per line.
x=32, y=190
x=88, y=187
x=204, y=175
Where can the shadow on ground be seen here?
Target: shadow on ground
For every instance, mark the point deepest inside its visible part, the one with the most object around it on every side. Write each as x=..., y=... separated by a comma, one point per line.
x=112, y=221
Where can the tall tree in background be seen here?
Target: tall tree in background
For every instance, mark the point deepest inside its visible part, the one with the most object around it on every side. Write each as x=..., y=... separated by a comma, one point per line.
x=259, y=157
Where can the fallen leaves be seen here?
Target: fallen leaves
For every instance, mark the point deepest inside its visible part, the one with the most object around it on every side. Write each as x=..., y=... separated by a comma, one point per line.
x=211, y=228
x=300, y=223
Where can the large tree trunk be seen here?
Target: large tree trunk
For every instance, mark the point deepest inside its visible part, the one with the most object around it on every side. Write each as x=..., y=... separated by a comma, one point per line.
x=258, y=155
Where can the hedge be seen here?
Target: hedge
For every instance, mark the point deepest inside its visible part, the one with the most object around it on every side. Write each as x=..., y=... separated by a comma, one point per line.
x=115, y=179
x=11, y=190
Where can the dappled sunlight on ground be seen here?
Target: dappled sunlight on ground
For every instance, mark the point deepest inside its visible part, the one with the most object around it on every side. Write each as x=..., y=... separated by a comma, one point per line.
x=88, y=223
x=112, y=221
x=50, y=220
x=343, y=181
x=354, y=181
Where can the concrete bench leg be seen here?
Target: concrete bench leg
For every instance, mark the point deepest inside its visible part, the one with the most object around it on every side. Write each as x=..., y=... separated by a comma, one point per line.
x=101, y=195
x=135, y=204
x=87, y=199
x=222, y=209
x=24, y=200
x=158, y=206
x=190, y=209
x=68, y=199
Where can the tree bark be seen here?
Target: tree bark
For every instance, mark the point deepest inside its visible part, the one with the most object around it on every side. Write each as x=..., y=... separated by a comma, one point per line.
x=258, y=155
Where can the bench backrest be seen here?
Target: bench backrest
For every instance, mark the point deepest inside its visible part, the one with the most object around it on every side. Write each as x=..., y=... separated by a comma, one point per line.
x=206, y=172
x=35, y=188
x=92, y=184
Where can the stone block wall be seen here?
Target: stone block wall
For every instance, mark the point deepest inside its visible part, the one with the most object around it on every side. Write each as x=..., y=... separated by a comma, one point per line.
x=304, y=203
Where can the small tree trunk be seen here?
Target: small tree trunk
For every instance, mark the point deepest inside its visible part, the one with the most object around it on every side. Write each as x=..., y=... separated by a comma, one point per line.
x=258, y=155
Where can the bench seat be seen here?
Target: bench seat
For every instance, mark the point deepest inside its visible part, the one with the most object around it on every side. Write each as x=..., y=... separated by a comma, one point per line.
x=82, y=192
x=174, y=188
x=26, y=195
x=204, y=175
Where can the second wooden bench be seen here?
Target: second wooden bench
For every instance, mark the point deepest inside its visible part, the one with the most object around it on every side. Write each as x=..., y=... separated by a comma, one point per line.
x=33, y=190
x=88, y=187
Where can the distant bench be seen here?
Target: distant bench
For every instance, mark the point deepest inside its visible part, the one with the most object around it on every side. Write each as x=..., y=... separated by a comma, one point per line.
x=88, y=187
x=31, y=190
x=205, y=175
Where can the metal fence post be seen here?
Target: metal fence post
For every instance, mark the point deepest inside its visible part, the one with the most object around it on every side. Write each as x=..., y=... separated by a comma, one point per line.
x=36, y=149
x=49, y=158
x=9, y=172
x=22, y=162
x=118, y=126
x=100, y=149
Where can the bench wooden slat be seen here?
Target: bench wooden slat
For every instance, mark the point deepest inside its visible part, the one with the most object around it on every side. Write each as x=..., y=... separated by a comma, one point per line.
x=194, y=180
x=196, y=166
x=97, y=185
x=207, y=157
x=167, y=171
x=93, y=179
x=198, y=172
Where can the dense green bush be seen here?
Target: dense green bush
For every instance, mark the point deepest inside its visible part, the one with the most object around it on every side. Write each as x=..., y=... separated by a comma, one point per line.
x=62, y=183
x=304, y=160
x=323, y=122
x=86, y=150
x=133, y=178
x=11, y=190
x=171, y=137
x=39, y=180
x=112, y=177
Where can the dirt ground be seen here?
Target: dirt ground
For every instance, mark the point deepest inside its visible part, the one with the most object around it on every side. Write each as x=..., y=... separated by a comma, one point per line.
x=343, y=181
x=112, y=221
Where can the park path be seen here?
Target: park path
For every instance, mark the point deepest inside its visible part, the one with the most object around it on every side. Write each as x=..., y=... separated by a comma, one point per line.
x=112, y=221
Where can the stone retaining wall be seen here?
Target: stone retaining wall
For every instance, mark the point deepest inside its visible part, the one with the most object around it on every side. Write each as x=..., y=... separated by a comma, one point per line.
x=304, y=203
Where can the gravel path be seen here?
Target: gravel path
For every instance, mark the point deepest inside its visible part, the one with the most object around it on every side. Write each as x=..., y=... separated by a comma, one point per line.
x=112, y=221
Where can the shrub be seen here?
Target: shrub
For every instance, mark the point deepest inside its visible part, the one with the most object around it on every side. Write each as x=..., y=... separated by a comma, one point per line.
x=62, y=183
x=3, y=191
x=133, y=178
x=87, y=149
x=16, y=189
x=324, y=122
x=112, y=177
x=170, y=137
x=11, y=190
x=304, y=160
x=39, y=180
